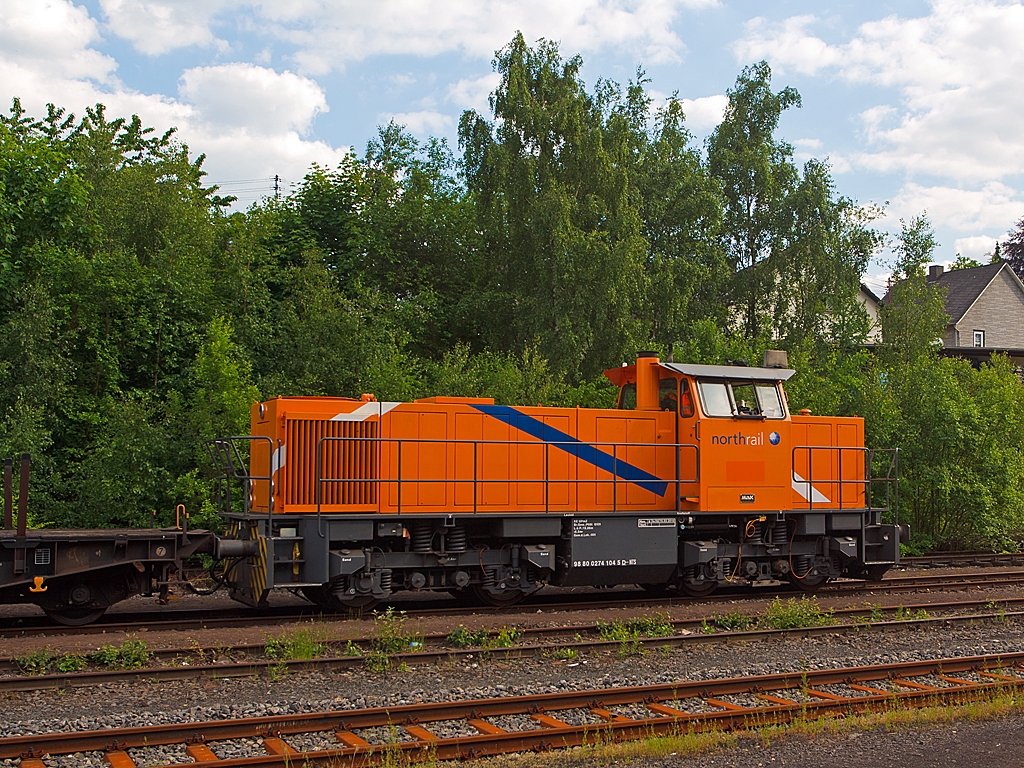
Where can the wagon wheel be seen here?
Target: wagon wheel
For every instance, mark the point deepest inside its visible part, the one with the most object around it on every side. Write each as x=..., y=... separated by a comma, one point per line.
x=333, y=603
x=74, y=617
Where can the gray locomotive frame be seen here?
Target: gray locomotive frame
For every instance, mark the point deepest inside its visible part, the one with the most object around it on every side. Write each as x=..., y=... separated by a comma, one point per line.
x=368, y=558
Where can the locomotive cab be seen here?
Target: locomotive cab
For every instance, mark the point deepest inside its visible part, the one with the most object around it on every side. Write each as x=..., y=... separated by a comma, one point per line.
x=772, y=496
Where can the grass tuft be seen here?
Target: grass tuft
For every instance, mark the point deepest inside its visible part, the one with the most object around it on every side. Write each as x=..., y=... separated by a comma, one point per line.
x=795, y=614
x=297, y=645
x=655, y=625
x=131, y=654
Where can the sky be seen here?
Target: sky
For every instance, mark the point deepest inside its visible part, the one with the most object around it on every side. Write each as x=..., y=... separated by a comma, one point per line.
x=917, y=106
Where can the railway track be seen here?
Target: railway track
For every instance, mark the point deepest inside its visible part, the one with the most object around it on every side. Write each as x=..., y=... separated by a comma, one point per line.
x=248, y=660
x=240, y=617
x=964, y=560
x=481, y=727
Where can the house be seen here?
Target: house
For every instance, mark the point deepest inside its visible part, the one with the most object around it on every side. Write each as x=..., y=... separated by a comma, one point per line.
x=986, y=311
x=871, y=302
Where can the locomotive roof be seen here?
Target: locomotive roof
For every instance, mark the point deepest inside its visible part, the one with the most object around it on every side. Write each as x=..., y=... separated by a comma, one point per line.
x=730, y=371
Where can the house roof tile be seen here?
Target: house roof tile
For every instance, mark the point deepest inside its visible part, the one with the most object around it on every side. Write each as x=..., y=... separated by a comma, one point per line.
x=963, y=287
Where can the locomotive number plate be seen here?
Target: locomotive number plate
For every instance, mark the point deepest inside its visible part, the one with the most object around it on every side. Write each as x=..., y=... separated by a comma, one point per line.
x=655, y=522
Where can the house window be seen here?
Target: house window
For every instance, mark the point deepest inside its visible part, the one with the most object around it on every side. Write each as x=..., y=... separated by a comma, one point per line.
x=979, y=338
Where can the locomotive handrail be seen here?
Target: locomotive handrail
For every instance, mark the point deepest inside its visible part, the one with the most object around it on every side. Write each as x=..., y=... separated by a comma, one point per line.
x=571, y=447
x=890, y=480
x=227, y=459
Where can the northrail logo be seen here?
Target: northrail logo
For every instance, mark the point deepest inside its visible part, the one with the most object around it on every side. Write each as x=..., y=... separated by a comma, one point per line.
x=740, y=439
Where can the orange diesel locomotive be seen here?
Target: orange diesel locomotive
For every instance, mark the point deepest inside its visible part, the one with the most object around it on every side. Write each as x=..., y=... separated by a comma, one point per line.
x=700, y=477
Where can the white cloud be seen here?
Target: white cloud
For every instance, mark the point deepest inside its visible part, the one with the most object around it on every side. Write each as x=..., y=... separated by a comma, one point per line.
x=329, y=34
x=44, y=40
x=705, y=112
x=158, y=26
x=993, y=206
x=472, y=93
x=250, y=120
x=807, y=143
x=787, y=45
x=262, y=100
x=423, y=123
x=974, y=247
x=957, y=71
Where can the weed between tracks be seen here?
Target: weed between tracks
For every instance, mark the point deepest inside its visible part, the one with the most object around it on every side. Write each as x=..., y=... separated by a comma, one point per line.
x=901, y=614
x=46, y=662
x=131, y=654
x=794, y=613
x=391, y=635
x=655, y=625
x=506, y=637
x=298, y=645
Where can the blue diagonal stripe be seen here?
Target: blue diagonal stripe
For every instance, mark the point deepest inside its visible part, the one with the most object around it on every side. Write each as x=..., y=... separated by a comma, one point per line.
x=583, y=451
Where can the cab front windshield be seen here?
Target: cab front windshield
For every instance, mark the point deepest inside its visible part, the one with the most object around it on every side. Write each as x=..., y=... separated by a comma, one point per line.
x=742, y=399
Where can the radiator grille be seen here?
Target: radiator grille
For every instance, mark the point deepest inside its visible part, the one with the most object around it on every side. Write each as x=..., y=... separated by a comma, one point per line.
x=352, y=461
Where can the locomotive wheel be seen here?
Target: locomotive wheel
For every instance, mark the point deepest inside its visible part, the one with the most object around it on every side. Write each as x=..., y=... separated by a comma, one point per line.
x=331, y=603
x=698, y=588
x=508, y=598
x=74, y=617
x=810, y=583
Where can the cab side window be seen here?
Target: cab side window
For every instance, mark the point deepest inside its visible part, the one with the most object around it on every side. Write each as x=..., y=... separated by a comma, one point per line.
x=668, y=395
x=685, y=399
x=627, y=397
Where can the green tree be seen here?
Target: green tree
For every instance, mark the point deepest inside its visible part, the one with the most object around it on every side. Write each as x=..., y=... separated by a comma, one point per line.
x=757, y=175
x=682, y=208
x=824, y=246
x=913, y=317
x=964, y=262
x=561, y=226
x=221, y=383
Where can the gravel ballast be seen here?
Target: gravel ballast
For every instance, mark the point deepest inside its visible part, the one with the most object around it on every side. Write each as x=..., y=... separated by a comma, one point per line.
x=143, y=704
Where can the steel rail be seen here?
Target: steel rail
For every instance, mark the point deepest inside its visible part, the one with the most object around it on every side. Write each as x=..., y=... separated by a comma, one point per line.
x=254, y=667
x=187, y=619
x=780, y=698
x=964, y=559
